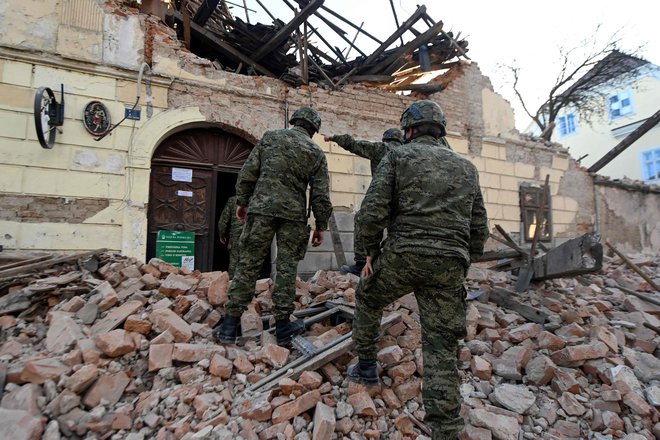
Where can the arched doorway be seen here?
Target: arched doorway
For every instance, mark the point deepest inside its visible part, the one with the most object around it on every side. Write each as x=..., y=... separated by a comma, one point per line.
x=193, y=173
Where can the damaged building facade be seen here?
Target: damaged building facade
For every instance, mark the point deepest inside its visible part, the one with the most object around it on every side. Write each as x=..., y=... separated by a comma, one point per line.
x=175, y=166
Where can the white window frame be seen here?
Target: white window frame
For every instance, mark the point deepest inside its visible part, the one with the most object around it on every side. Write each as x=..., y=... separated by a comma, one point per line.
x=621, y=95
x=569, y=123
x=654, y=161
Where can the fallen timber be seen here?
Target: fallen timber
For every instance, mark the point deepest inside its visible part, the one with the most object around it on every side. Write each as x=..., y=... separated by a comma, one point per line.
x=578, y=256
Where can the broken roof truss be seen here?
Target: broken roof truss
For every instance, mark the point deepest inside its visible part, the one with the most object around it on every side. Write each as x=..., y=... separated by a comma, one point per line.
x=297, y=51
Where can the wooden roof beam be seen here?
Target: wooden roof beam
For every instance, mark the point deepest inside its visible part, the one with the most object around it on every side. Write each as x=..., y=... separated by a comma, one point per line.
x=348, y=22
x=339, y=31
x=408, y=47
x=205, y=11
x=223, y=47
x=286, y=31
x=421, y=10
x=626, y=142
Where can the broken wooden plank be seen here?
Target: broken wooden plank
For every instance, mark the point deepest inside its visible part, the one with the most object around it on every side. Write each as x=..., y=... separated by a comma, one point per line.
x=400, y=31
x=506, y=243
x=577, y=256
x=508, y=265
x=205, y=11
x=327, y=353
x=407, y=48
x=336, y=241
x=286, y=31
x=222, y=46
x=348, y=22
x=511, y=241
x=48, y=263
x=625, y=143
x=646, y=298
x=426, y=89
x=505, y=299
x=634, y=267
x=25, y=262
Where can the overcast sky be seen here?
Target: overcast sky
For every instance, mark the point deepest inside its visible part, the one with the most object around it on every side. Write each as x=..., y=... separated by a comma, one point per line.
x=503, y=32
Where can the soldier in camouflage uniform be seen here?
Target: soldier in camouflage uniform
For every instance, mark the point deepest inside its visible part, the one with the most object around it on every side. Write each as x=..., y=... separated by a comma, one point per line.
x=271, y=200
x=430, y=200
x=374, y=151
x=229, y=231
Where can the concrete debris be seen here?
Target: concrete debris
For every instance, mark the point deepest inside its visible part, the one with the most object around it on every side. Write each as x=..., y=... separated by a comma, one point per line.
x=144, y=365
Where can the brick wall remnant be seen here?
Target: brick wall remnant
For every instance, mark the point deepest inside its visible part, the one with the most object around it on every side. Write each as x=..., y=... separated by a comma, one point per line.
x=40, y=209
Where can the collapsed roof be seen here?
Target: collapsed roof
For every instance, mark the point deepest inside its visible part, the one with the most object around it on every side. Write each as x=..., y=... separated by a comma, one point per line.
x=297, y=51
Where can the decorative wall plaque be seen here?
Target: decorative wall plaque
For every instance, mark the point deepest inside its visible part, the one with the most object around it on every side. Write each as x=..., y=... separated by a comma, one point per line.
x=96, y=118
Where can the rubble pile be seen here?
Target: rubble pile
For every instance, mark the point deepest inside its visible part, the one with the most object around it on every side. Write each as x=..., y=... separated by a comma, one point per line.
x=123, y=350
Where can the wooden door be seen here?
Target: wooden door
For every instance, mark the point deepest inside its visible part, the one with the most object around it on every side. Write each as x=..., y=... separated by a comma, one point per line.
x=183, y=189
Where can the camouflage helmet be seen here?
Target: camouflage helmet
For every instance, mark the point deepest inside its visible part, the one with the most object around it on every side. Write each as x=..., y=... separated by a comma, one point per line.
x=393, y=134
x=423, y=112
x=308, y=115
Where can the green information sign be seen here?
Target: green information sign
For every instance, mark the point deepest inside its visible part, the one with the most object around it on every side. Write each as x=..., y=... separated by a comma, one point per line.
x=176, y=248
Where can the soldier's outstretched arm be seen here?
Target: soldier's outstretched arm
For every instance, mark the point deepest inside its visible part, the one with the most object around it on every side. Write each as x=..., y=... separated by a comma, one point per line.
x=320, y=194
x=369, y=150
x=374, y=213
x=247, y=178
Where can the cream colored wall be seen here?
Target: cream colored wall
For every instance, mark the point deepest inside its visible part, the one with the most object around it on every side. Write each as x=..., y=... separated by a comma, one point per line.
x=597, y=139
x=77, y=166
x=497, y=113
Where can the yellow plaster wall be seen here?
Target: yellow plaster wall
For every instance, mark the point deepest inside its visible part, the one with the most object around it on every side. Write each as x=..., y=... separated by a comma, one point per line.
x=77, y=166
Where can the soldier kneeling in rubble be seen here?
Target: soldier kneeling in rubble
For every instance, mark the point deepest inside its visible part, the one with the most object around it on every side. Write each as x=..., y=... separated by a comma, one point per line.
x=430, y=200
x=271, y=196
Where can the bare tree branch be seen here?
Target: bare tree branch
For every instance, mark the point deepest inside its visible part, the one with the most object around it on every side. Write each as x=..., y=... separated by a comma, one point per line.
x=587, y=74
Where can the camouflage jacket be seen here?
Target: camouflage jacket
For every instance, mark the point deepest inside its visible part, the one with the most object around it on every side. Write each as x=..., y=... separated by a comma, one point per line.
x=429, y=199
x=275, y=177
x=229, y=226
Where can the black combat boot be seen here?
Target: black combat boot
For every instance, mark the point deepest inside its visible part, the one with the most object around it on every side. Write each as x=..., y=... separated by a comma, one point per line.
x=229, y=330
x=285, y=330
x=364, y=372
x=355, y=269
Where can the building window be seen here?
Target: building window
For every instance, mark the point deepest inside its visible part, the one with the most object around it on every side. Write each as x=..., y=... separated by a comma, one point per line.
x=530, y=200
x=620, y=104
x=650, y=160
x=567, y=124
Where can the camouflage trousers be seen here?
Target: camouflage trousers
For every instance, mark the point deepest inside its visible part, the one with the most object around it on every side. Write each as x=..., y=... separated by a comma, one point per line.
x=292, y=238
x=438, y=286
x=234, y=253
